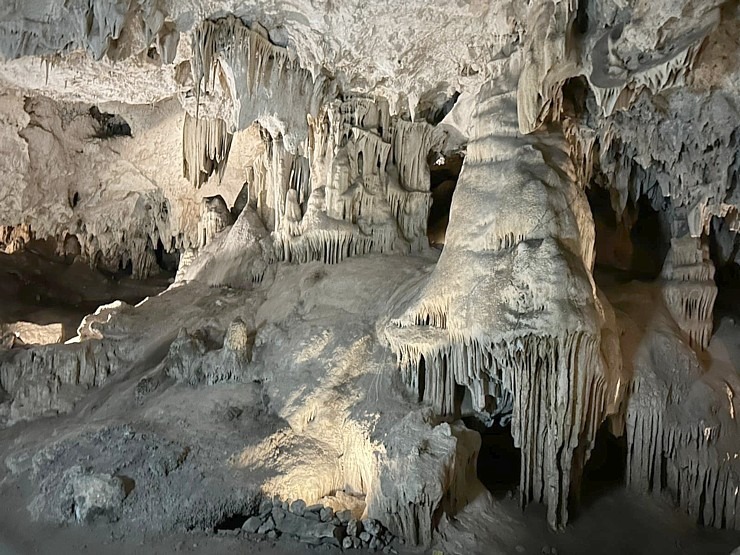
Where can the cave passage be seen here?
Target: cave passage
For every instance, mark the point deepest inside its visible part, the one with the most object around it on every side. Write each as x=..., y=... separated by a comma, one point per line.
x=499, y=461
x=444, y=172
x=41, y=287
x=605, y=469
x=634, y=245
x=724, y=246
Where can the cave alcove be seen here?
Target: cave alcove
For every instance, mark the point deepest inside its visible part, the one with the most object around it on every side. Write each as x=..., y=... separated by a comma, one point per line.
x=499, y=460
x=167, y=261
x=633, y=246
x=604, y=471
x=444, y=171
x=724, y=245
x=108, y=125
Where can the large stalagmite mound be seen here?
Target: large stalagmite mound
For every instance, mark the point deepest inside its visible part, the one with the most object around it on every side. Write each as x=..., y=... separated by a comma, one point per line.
x=316, y=369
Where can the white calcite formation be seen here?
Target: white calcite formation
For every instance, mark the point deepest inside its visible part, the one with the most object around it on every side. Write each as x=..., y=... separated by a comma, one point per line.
x=689, y=289
x=681, y=419
x=428, y=468
x=524, y=321
x=364, y=187
x=205, y=148
x=312, y=346
x=214, y=218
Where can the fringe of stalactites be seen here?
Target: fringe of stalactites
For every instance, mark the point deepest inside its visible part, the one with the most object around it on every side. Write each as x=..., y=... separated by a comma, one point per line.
x=346, y=196
x=255, y=71
x=248, y=52
x=92, y=25
x=205, y=148
x=651, y=165
x=106, y=249
x=685, y=462
x=558, y=400
x=327, y=246
x=689, y=290
x=670, y=73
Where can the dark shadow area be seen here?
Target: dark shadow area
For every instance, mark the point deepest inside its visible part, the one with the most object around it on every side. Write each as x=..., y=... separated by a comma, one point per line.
x=38, y=285
x=633, y=245
x=435, y=111
x=232, y=522
x=167, y=261
x=578, y=98
x=499, y=461
x=581, y=22
x=444, y=172
x=650, y=240
x=724, y=248
x=604, y=472
x=109, y=125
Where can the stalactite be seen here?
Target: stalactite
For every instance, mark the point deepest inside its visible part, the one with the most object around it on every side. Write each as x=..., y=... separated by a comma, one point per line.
x=681, y=426
x=492, y=330
x=689, y=289
x=205, y=148
x=345, y=196
x=614, y=87
x=661, y=160
x=261, y=76
x=411, y=145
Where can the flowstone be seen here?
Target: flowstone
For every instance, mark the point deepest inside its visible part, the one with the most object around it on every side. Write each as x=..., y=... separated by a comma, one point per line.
x=524, y=321
x=311, y=347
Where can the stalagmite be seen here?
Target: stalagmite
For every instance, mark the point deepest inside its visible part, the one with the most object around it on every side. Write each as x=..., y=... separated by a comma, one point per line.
x=493, y=328
x=444, y=455
x=214, y=218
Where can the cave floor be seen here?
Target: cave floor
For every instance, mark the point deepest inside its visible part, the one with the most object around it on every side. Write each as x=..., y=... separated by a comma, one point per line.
x=613, y=522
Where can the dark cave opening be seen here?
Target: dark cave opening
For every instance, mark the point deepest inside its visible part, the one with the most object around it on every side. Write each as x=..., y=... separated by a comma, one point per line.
x=578, y=98
x=444, y=171
x=634, y=244
x=124, y=270
x=46, y=283
x=651, y=240
x=109, y=125
x=168, y=261
x=499, y=460
x=230, y=522
x=422, y=378
x=724, y=250
x=434, y=108
x=581, y=21
x=605, y=469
